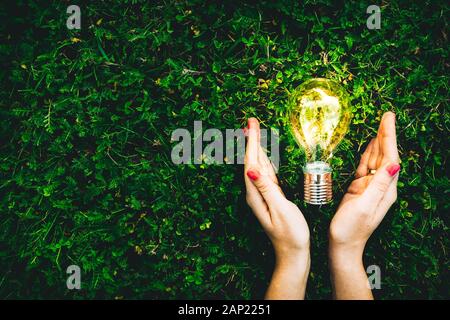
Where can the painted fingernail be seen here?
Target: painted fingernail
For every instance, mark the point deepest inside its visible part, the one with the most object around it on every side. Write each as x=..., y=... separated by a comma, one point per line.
x=253, y=174
x=393, y=169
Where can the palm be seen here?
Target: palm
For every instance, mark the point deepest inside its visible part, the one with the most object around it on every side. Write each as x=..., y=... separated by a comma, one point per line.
x=291, y=224
x=282, y=220
x=381, y=150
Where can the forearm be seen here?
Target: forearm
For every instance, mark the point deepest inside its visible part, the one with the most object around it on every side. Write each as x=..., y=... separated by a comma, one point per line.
x=289, y=278
x=348, y=276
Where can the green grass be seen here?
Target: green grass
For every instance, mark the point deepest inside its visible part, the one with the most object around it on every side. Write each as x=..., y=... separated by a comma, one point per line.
x=85, y=170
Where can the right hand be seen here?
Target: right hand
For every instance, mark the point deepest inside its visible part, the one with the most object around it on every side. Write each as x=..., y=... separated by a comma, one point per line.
x=369, y=197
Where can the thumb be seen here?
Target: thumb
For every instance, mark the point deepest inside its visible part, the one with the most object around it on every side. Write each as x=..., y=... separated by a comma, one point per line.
x=270, y=191
x=380, y=183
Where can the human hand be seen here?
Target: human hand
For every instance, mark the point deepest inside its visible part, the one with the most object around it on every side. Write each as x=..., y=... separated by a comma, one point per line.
x=362, y=209
x=369, y=196
x=280, y=218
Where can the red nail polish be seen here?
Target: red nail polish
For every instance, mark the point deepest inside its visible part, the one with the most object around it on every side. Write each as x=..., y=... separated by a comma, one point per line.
x=393, y=169
x=254, y=175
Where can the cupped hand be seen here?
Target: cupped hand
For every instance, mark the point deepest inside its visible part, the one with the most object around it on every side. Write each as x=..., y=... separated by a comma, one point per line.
x=371, y=194
x=281, y=219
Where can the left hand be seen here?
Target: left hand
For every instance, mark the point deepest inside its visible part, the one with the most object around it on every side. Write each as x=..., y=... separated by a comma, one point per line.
x=281, y=219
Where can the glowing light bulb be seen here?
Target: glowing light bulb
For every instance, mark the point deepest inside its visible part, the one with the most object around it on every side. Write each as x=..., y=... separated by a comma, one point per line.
x=319, y=115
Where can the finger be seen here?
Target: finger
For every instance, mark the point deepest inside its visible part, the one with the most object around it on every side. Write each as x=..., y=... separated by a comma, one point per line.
x=388, y=137
x=254, y=198
x=268, y=167
x=380, y=183
x=362, y=169
x=257, y=203
x=388, y=200
x=269, y=190
x=357, y=186
x=251, y=158
x=380, y=151
x=373, y=159
x=251, y=155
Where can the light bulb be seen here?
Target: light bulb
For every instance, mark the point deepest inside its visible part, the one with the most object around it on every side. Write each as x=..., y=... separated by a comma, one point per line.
x=319, y=116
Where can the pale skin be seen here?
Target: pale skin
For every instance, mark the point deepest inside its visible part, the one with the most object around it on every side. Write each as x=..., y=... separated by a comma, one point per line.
x=362, y=209
x=281, y=219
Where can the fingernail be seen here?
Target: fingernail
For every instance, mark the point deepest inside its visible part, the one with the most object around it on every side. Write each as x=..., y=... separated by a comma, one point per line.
x=393, y=169
x=253, y=174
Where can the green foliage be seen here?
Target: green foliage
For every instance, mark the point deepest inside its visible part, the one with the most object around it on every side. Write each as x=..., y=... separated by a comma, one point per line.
x=85, y=171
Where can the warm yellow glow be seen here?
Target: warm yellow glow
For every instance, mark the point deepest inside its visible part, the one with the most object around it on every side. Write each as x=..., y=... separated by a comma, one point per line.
x=320, y=115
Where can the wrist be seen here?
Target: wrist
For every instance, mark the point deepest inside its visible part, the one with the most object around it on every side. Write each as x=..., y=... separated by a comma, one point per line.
x=348, y=276
x=293, y=259
x=289, y=276
x=345, y=256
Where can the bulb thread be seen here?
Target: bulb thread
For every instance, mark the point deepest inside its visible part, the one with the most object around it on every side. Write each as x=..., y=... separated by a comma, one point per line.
x=318, y=188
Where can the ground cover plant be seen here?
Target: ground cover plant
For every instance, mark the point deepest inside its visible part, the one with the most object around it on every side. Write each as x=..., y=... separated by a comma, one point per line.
x=86, y=115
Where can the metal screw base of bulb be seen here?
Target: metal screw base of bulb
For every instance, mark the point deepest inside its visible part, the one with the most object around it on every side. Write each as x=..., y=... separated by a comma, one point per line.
x=318, y=188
